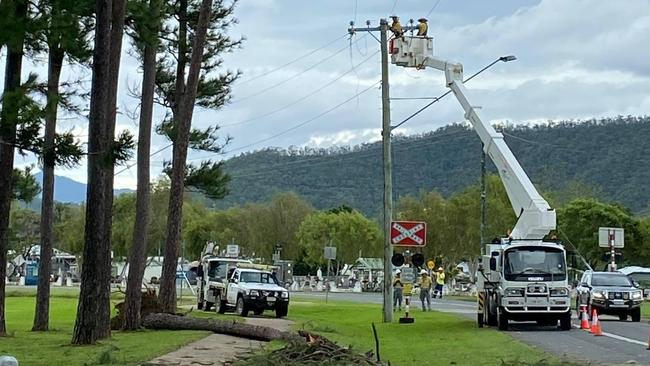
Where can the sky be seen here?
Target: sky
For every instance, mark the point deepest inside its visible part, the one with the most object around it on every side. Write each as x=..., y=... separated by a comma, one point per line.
x=306, y=82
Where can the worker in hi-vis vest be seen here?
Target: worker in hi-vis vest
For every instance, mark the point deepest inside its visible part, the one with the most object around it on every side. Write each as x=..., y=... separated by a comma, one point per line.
x=440, y=282
x=423, y=27
x=397, y=291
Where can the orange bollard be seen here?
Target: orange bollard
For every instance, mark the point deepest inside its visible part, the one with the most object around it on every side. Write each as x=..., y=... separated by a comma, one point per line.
x=584, y=321
x=595, y=324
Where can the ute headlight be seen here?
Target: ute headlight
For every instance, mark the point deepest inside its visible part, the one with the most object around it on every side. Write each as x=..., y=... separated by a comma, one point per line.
x=514, y=291
x=636, y=295
x=598, y=295
x=284, y=294
x=560, y=291
x=253, y=293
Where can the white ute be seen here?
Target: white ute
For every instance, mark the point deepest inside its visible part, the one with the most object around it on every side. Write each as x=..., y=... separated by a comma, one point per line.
x=254, y=290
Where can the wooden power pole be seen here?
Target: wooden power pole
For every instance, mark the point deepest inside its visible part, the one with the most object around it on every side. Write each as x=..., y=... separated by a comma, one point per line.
x=387, y=161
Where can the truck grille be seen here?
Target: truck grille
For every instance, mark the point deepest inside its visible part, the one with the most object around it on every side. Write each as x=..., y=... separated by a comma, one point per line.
x=537, y=289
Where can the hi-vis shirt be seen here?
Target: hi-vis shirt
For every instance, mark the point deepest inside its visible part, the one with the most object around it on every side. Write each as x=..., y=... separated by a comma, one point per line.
x=440, y=278
x=425, y=282
x=397, y=282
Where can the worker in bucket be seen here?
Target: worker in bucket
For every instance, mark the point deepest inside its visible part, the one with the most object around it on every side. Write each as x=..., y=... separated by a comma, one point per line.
x=440, y=282
x=423, y=27
x=397, y=291
x=396, y=27
x=425, y=290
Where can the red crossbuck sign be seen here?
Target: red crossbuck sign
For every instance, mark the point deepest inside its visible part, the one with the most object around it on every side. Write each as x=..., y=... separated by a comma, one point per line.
x=408, y=233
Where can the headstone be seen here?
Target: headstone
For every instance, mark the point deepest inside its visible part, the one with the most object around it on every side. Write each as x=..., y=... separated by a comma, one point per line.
x=357, y=287
x=8, y=361
x=68, y=281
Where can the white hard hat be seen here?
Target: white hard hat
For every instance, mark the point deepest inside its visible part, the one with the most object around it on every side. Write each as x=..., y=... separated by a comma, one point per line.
x=398, y=272
x=423, y=272
x=440, y=269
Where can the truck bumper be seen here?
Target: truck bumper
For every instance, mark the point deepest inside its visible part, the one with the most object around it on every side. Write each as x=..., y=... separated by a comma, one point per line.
x=536, y=308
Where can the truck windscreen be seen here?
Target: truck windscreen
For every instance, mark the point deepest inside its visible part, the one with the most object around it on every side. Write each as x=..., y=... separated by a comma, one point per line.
x=534, y=264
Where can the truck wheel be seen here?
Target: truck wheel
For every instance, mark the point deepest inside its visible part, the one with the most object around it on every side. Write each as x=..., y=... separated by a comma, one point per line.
x=207, y=306
x=502, y=319
x=636, y=315
x=565, y=321
x=199, y=305
x=220, y=304
x=241, y=307
x=491, y=312
x=479, y=319
x=281, y=311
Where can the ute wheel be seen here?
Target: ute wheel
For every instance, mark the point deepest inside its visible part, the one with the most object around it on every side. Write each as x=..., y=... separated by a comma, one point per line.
x=221, y=305
x=636, y=315
x=502, y=319
x=565, y=322
x=281, y=311
x=622, y=317
x=241, y=307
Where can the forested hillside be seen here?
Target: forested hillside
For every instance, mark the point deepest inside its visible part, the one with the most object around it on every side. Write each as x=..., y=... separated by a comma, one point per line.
x=611, y=155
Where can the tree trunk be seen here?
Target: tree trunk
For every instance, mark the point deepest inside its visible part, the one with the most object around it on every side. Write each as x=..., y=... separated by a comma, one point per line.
x=117, y=31
x=256, y=332
x=41, y=316
x=93, y=284
x=182, y=124
x=137, y=257
x=8, y=117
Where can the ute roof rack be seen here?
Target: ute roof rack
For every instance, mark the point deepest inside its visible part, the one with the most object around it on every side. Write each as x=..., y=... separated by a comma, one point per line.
x=261, y=267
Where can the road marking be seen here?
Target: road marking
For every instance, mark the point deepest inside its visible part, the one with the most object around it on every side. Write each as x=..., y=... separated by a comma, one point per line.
x=618, y=337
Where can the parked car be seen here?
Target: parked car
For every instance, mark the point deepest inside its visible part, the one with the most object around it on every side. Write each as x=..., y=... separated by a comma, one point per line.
x=611, y=293
x=641, y=277
x=253, y=290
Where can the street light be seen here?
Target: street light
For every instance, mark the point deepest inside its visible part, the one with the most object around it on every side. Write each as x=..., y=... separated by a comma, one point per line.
x=500, y=59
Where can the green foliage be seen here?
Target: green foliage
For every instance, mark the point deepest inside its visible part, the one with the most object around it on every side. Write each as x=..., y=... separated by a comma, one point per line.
x=580, y=219
x=208, y=178
x=352, y=233
x=608, y=155
x=24, y=229
x=25, y=186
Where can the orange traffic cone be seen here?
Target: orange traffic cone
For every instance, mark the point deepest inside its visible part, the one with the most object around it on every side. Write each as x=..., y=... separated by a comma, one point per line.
x=584, y=321
x=595, y=324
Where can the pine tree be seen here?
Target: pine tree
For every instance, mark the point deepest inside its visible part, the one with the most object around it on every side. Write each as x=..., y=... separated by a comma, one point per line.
x=146, y=29
x=206, y=21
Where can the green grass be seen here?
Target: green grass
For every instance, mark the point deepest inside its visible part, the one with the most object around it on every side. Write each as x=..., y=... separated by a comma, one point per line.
x=54, y=348
x=443, y=339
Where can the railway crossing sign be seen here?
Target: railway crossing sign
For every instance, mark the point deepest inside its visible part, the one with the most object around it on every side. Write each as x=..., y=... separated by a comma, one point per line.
x=408, y=233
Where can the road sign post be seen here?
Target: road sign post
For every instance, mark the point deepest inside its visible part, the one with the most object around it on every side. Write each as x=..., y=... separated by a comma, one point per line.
x=329, y=253
x=612, y=238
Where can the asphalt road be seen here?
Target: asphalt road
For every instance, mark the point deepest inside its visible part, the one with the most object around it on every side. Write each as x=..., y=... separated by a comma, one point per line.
x=621, y=343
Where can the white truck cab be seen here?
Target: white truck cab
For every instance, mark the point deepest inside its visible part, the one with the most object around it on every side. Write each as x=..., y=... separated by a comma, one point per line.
x=212, y=280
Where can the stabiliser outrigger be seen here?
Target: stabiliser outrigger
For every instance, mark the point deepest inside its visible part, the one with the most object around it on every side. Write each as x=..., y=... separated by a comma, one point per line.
x=526, y=279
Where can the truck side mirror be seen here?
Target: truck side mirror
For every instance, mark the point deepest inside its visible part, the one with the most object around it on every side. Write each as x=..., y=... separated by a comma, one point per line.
x=493, y=263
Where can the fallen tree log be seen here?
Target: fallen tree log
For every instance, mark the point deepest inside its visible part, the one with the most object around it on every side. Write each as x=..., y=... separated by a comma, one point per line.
x=175, y=322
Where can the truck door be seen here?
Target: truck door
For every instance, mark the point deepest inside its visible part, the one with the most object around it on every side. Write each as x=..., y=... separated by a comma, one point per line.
x=233, y=288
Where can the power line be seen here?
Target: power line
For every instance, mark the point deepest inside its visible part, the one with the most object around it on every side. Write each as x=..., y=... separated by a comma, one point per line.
x=325, y=159
x=299, y=124
x=545, y=143
x=296, y=101
x=129, y=166
x=284, y=81
x=292, y=61
x=433, y=8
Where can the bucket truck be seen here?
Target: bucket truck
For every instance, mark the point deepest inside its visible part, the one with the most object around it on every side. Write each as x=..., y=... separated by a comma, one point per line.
x=526, y=277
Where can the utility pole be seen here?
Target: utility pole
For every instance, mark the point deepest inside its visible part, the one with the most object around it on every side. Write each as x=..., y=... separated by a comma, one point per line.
x=483, y=200
x=387, y=160
x=388, y=173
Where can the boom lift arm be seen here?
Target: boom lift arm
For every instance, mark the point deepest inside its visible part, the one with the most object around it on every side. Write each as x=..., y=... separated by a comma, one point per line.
x=535, y=217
